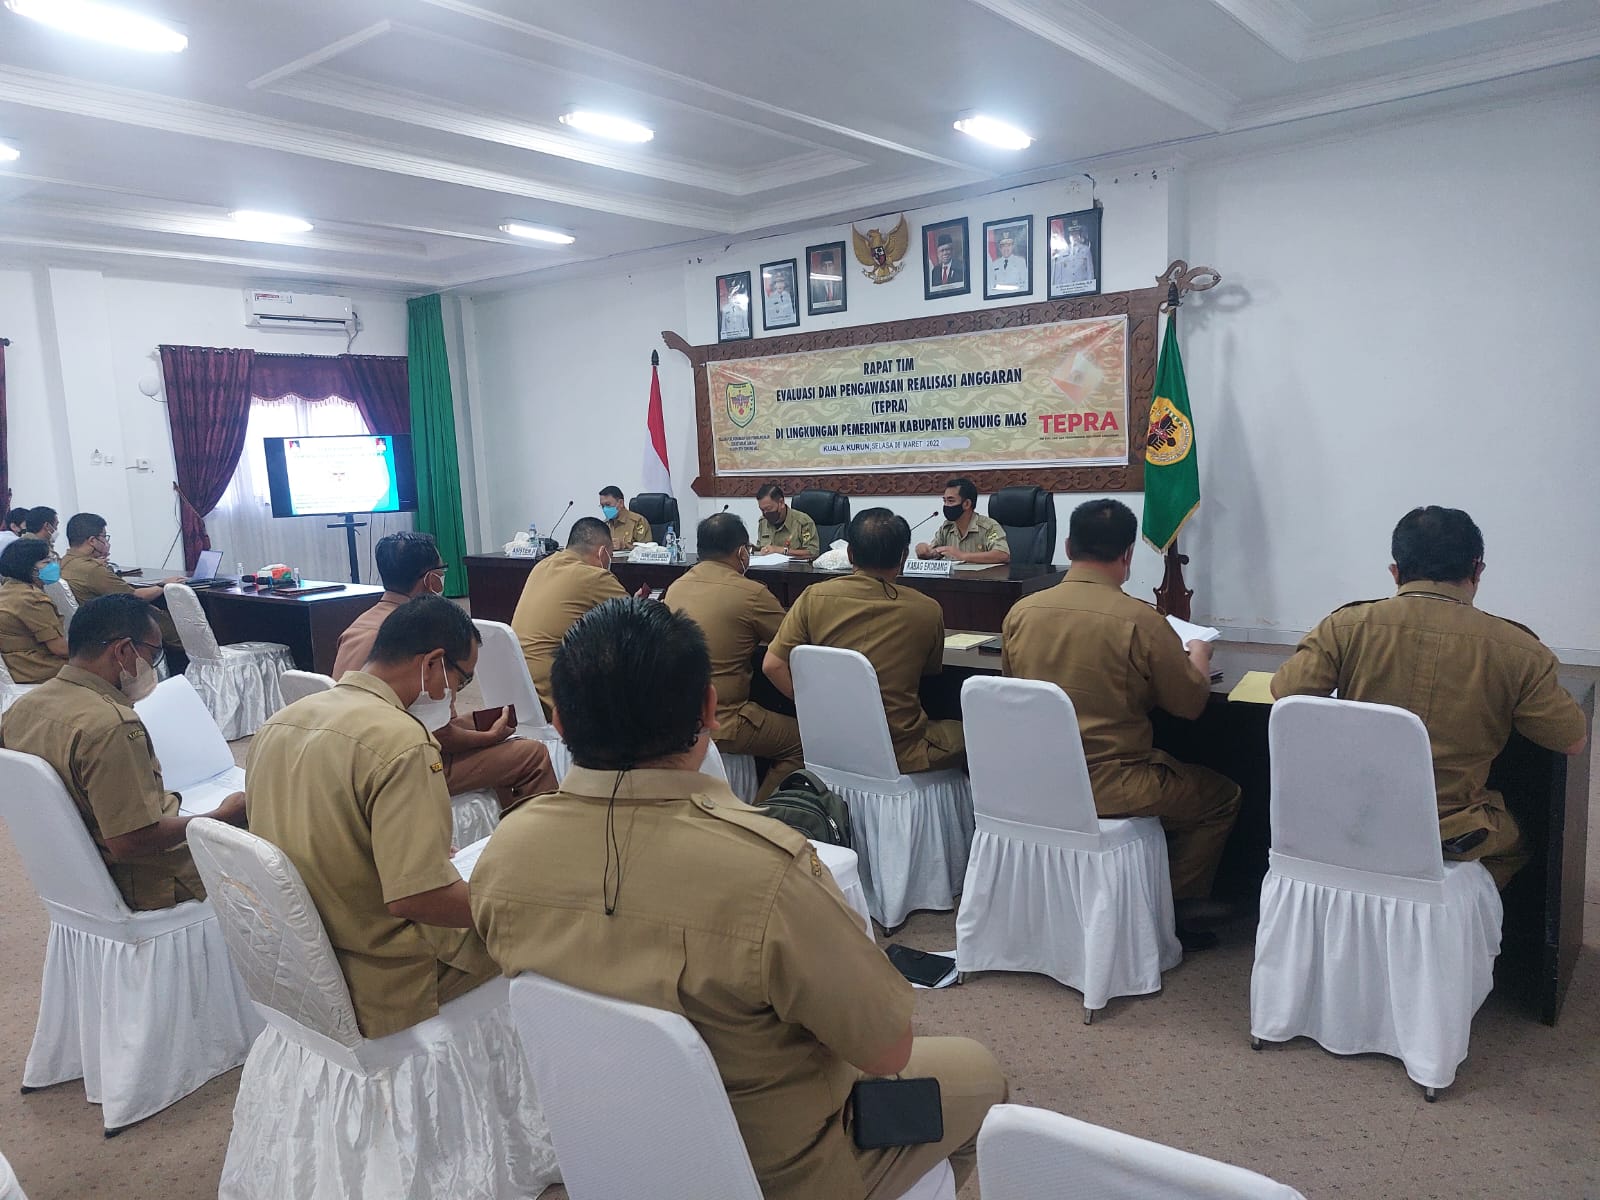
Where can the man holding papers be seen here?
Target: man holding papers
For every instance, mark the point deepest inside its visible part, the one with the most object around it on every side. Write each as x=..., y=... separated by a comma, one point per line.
x=1117, y=658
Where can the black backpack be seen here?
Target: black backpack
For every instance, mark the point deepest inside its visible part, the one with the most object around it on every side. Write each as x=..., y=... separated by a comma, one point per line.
x=804, y=802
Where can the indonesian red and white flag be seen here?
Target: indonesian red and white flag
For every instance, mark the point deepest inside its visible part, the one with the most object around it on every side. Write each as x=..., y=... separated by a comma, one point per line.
x=657, y=471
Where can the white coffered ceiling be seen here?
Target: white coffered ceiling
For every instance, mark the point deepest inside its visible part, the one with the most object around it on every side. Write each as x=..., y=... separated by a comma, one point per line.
x=409, y=130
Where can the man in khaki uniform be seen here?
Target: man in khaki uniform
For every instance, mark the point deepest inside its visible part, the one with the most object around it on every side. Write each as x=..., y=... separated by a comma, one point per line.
x=560, y=590
x=706, y=908
x=900, y=631
x=1471, y=677
x=784, y=527
x=33, y=640
x=737, y=615
x=83, y=724
x=1117, y=658
x=627, y=527
x=349, y=784
x=516, y=768
x=966, y=535
x=87, y=571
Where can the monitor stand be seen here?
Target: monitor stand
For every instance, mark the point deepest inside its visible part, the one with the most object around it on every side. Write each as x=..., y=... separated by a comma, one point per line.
x=349, y=524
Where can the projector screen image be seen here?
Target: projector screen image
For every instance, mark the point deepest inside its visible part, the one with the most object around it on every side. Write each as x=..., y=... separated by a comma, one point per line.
x=322, y=476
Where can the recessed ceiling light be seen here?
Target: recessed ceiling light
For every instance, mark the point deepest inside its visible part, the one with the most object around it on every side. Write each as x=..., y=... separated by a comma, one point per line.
x=9, y=153
x=618, y=129
x=994, y=133
x=252, y=221
x=537, y=233
x=102, y=23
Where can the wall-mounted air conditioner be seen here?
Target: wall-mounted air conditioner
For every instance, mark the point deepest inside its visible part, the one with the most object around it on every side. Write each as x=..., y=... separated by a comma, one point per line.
x=298, y=310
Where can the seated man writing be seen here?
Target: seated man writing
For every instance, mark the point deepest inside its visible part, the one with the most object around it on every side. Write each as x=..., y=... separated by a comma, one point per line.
x=516, y=768
x=83, y=724
x=645, y=880
x=783, y=527
x=86, y=569
x=1471, y=677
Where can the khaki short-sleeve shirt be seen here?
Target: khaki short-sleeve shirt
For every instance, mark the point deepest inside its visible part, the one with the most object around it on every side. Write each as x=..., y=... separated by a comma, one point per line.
x=90, y=578
x=1471, y=677
x=798, y=532
x=736, y=614
x=351, y=787
x=355, y=643
x=628, y=527
x=1113, y=655
x=560, y=589
x=723, y=915
x=90, y=735
x=984, y=533
x=900, y=631
x=27, y=621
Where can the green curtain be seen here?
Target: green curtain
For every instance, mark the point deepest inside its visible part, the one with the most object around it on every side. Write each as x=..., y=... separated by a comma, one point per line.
x=433, y=438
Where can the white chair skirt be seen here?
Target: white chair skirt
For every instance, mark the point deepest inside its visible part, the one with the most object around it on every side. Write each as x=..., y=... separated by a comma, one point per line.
x=1099, y=921
x=473, y=815
x=1361, y=973
x=912, y=847
x=428, y=1120
x=560, y=756
x=143, y=1023
x=742, y=778
x=844, y=865
x=241, y=688
x=10, y=1189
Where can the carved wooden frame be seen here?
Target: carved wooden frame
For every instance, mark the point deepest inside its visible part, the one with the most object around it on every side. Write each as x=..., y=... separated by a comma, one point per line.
x=1142, y=308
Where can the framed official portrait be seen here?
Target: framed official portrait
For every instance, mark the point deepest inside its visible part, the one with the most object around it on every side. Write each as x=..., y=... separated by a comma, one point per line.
x=1008, y=257
x=780, y=309
x=945, y=260
x=733, y=307
x=1074, y=254
x=825, y=279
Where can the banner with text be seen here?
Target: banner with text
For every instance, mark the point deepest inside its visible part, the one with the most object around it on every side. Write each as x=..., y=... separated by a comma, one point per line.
x=1042, y=396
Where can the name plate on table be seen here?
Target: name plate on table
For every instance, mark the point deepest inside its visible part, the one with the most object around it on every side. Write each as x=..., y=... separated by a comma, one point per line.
x=938, y=568
x=650, y=554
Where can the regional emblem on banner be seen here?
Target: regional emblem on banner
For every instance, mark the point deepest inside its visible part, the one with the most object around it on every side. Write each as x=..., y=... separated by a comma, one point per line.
x=741, y=403
x=1171, y=437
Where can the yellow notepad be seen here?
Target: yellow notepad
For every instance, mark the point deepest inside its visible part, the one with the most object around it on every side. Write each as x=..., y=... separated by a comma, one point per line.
x=1254, y=688
x=965, y=641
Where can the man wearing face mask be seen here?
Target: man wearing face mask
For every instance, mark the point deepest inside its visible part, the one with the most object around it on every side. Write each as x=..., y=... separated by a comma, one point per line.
x=40, y=525
x=784, y=527
x=737, y=615
x=560, y=590
x=1117, y=658
x=83, y=724
x=898, y=629
x=349, y=784
x=627, y=527
x=86, y=568
x=515, y=768
x=966, y=535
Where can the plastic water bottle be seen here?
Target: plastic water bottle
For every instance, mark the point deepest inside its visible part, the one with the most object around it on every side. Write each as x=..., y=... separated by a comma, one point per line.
x=673, y=554
x=533, y=538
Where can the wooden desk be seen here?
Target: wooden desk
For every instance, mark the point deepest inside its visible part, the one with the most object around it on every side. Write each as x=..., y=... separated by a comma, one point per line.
x=976, y=600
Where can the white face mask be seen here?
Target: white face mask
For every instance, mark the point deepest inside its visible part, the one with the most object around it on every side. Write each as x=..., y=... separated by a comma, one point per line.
x=434, y=714
x=138, y=685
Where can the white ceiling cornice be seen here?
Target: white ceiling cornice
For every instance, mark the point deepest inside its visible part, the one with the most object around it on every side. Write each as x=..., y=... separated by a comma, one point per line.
x=1285, y=27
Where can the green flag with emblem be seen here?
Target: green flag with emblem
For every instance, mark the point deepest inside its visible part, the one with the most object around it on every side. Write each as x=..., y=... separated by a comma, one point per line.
x=1171, y=470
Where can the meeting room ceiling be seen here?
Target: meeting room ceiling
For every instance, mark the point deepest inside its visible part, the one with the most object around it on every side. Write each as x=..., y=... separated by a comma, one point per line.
x=409, y=131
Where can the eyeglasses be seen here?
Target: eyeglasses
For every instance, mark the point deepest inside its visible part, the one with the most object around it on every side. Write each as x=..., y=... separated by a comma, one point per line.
x=159, y=650
x=466, y=676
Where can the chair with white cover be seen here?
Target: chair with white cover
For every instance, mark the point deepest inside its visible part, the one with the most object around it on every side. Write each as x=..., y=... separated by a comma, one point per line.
x=1033, y=1154
x=742, y=778
x=503, y=679
x=239, y=682
x=142, y=1006
x=10, y=690
x=446, y=1107
x=635, y=1102
x=60, y=593
x=1368, y=940
x=10, y=1189
x=912, y=833
x=196, y=761
x=1051, y=887
x=297, y=685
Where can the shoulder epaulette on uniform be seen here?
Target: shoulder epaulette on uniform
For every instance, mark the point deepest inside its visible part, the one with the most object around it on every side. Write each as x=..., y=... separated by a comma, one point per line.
x=1517, y=624
x=1359, y=603
x=791, y=841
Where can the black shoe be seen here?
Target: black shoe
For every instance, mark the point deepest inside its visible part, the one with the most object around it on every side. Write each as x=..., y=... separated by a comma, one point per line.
x=1204, y=912
x=1195, y=940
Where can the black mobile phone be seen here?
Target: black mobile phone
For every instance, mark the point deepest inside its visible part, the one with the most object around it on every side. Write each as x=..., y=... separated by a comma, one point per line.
x=896, y=1112
x=919, y=966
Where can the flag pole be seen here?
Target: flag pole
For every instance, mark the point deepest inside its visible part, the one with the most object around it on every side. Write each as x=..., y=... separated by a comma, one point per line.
x=1174, y=594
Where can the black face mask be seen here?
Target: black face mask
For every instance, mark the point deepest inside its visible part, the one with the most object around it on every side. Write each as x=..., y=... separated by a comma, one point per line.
x=952, y=512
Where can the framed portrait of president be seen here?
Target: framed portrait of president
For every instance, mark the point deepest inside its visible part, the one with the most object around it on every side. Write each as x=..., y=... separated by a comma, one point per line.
x=825, y=279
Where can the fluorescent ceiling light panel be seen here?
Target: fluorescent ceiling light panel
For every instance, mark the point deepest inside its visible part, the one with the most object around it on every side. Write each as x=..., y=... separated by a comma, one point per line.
x=994, y=133
x=273, y=224
x=618, y=129
x=9, y=153
x=537, y=233
x=101, y=22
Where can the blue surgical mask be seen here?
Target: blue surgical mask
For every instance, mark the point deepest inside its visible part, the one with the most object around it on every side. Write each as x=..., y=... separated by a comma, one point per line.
x=50, y=572
x=609, y=511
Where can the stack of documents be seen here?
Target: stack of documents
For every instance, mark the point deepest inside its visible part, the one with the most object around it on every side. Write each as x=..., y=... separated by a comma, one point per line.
x=1192, y=633
x=778, y=559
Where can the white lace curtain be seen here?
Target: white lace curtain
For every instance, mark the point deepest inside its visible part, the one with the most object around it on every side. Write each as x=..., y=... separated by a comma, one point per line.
x=242, y=525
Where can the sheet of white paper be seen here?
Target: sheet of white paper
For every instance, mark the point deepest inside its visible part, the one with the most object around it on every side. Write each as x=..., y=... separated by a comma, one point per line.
x=200, y=798
x=947, y=980
x=1192, y=633
x=769, y=560
x=966, y=566
x=467, y=857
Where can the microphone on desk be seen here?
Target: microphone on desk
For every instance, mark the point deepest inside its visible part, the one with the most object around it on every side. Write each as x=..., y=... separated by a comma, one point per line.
x=925, y=520
x=550, y=541
x=726, y=507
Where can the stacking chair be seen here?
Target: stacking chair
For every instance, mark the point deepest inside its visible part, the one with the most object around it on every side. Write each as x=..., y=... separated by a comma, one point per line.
x=503, y=679
x=10, y=690
x=1368, y=940
x=635, y=1103
x=660, y=510
x=142, y=1006
x=1050, y=886
x=738, y=771
x=911, y=832
x=239, y=682
x=445, y=1107
x=196, y=761
x=60, y=593
x=297, y=685
x=1033, y=1154
x=1028, y=515
x=830, y=510
x=10, y=1189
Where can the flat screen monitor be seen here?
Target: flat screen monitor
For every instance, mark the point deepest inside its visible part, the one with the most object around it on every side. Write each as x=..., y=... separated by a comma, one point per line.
x=326, y=476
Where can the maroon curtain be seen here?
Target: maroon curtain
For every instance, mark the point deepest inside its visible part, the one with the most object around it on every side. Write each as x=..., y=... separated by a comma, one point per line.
x=208, y=407
x=309, y=376
x=5, y=471
x=382, y=391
